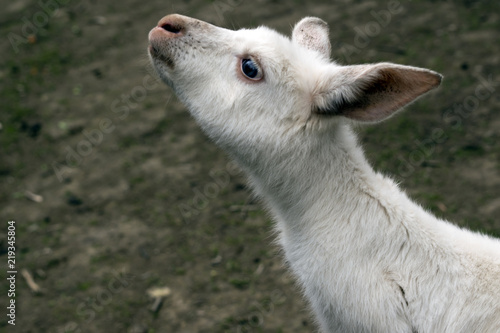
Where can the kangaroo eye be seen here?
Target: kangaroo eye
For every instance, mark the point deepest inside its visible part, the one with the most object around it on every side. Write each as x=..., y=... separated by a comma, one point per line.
x=250, y=69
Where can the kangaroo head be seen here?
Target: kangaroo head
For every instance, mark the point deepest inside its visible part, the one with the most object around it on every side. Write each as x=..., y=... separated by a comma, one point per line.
x=257, y=87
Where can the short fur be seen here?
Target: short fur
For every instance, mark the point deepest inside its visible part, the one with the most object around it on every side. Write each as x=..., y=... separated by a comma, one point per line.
x=368, y=258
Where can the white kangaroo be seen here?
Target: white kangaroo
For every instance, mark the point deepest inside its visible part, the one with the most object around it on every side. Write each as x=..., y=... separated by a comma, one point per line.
x=367, y=257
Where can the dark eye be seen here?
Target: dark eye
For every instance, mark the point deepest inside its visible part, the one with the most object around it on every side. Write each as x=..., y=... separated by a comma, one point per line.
x=250, y=69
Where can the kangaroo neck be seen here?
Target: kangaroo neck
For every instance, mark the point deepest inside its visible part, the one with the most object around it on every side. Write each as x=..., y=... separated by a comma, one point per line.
x=313, y=180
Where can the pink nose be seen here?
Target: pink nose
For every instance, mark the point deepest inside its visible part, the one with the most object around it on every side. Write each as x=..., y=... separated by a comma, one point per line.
x=174, y=25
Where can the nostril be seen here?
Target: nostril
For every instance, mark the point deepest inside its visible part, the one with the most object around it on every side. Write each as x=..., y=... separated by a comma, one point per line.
x=171, y=28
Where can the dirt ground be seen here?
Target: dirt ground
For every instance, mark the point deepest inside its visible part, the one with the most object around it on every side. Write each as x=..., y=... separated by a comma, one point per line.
x=115, y=191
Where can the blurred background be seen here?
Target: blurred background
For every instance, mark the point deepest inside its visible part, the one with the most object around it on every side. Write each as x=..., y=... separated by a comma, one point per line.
x=128, y=219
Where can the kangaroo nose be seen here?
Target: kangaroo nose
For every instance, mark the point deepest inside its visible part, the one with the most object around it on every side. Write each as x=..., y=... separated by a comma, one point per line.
x=174, y=24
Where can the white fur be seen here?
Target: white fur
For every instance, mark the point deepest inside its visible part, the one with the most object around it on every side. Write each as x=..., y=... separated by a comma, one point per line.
x=367, y=257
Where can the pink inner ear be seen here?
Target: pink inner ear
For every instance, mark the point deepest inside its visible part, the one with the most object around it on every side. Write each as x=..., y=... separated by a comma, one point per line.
x=312, y=33
x=381, y=90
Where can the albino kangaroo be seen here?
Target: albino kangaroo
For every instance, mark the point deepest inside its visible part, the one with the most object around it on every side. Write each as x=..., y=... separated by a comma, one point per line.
x=367, y=257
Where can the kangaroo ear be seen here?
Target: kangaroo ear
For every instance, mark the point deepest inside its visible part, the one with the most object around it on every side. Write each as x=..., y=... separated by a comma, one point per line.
x=312, y=33
x=371, y=93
